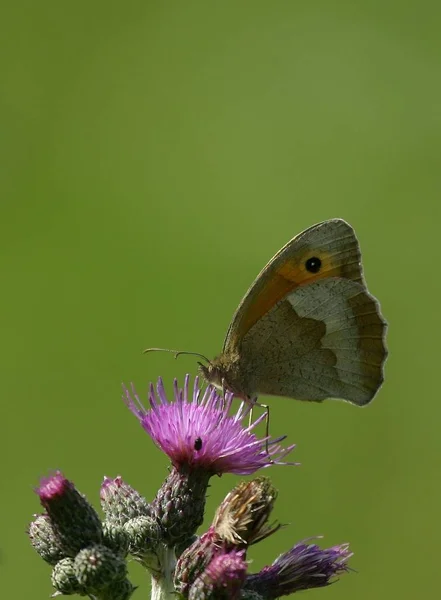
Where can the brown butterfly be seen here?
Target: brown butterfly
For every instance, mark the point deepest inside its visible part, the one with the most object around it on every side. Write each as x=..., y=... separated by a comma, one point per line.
x=307, y=328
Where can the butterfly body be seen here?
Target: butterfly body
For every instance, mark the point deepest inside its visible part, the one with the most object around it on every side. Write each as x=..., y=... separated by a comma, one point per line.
x=307, y=328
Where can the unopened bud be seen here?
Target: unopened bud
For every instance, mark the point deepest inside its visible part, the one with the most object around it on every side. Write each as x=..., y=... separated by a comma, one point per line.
x=194, y=560
x=74, y=521
x=120, y=502
x=116, y=538
x=44, y=540
x=97, y=567
x=144, y=535
x=64, y=579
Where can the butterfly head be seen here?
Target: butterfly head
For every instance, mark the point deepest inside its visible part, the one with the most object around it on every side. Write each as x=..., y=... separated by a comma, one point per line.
x=223, y=373
x=212, y=373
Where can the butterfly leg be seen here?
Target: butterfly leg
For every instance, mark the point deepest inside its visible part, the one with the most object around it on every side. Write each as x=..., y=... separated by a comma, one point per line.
x=266, y=408
x=250, y=418
x=224, y=391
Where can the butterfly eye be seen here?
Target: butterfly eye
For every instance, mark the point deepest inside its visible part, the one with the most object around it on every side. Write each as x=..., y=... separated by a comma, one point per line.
x=198, y=444
x=313, y=264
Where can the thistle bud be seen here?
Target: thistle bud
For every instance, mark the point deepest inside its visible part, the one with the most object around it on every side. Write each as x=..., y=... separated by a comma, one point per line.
x=74, y=521
x=116, y=538
x=222, y=579
x=144, y=535
x=120, y=502
x=44, y=540
x=97, y=567
x=194, y=560
x=64, y=580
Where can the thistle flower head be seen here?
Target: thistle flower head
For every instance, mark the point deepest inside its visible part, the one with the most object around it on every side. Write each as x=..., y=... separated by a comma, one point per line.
x=196, y=430
x=73, y=520
x=97, y=567
x=195, y=559
x=242, y=517
x=222, y=579
x=44, y=539
x=64, y=579
x=304, y=566
x=120, y=502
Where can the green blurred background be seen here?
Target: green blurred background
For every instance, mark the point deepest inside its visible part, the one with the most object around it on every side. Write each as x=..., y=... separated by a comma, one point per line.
x=154, y=155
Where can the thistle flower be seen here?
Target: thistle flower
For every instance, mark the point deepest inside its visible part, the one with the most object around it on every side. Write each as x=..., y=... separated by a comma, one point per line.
x=304, y=566
x=242, y=517
x=144, y=536
x=97, y=567
x=44, y=539
x=129, y=521
x=240, y=520
x=64, y=579
x=120, y=502
x=116, y=538
x=195, y=559
x=201, y=439
x=196, y=430
x=222, y=579
x=74, y=521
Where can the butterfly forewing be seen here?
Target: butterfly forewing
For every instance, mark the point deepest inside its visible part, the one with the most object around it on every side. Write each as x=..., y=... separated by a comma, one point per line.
x=332, y=245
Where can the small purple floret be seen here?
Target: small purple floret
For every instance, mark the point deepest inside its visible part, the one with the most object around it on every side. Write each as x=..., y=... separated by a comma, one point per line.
x=228, y=569
x=53, y=486
x=223, y=577
x=196, y=430
x=110, y=482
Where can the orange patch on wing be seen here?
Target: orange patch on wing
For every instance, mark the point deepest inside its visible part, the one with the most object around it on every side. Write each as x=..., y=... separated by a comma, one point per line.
x=286, y=279
x=276, y=289
x=295, y=270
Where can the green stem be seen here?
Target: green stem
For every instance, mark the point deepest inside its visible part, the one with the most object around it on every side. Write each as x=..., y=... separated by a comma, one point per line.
x=162, y=582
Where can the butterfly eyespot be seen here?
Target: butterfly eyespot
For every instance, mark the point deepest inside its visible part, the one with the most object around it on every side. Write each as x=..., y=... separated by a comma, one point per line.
x=198, y=444
x=313, y=264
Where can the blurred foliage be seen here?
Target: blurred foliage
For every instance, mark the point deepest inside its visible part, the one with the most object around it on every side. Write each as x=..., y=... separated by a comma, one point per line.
x=154, y=155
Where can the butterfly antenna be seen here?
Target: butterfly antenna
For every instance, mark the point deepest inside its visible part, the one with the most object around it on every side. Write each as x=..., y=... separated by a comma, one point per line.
x=176, y=352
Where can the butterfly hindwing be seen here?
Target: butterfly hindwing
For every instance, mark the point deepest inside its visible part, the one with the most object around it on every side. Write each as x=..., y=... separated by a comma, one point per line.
x=324, y=341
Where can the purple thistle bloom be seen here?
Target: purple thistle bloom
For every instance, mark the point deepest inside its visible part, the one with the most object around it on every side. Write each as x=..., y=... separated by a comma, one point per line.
x=51, y=487
x=197, y=432
x=304, y=566
x=222, y=579
x=228, y=568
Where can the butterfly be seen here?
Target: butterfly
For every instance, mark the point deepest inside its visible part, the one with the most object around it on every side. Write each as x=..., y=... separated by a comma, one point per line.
x=307, y=328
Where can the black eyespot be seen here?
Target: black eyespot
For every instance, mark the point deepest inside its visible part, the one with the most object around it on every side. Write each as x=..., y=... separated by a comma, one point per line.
x=198, y=444
x=313, y=264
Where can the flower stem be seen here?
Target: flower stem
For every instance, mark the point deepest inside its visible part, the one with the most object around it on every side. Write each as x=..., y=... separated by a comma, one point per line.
x=162, y=583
